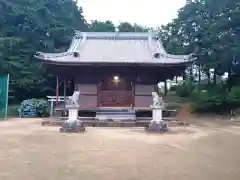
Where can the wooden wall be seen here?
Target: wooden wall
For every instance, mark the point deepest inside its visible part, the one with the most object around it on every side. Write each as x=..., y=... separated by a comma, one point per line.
x=88, y=95
x=143, y=95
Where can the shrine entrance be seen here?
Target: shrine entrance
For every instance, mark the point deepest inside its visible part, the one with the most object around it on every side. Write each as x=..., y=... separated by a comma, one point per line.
x=115, y=92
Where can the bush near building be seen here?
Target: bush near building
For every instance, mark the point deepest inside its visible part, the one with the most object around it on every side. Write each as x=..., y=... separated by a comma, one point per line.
x=34, y=108
x=210, y=98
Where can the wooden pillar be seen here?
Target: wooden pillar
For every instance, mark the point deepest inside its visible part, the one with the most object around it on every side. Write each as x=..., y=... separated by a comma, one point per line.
x=57, y=90
x=64, y=90
x=165, y=87
x=52, y=100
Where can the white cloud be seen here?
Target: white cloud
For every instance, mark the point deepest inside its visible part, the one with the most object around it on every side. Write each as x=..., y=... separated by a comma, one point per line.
x=145, y=12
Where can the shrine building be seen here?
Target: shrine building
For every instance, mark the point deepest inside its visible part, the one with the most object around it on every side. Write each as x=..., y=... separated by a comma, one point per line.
x=115, y=69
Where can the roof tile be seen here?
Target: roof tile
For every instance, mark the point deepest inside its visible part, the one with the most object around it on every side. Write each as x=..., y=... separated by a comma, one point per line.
x=115, y=47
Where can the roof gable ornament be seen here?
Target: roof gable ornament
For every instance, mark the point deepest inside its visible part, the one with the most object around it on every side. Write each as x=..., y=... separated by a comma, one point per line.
x=116, y=30
x=77, y=36
x=156, y=55
x=76, y=54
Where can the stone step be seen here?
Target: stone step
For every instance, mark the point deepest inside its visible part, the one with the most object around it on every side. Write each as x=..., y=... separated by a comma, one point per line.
x=115, y=114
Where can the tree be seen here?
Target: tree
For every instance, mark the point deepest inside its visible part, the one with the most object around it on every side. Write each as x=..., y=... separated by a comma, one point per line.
x=101, y=26
x=210, y=30
x=28, y=26
x=128, y=27
x=108, y=26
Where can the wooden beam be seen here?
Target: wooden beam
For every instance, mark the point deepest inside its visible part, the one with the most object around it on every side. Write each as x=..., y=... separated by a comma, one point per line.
x=64, y=90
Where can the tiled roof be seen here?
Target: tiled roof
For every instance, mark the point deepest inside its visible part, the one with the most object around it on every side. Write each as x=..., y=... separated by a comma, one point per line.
x=115, y=47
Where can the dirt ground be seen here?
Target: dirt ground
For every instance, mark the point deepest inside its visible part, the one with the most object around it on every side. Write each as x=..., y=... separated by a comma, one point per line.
x=204, y=150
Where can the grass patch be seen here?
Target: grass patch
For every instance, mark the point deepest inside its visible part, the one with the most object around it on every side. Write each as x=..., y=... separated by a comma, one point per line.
x=13, y=110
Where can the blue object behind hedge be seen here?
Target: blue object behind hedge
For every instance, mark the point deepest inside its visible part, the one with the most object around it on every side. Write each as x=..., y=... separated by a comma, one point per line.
x=34, y=108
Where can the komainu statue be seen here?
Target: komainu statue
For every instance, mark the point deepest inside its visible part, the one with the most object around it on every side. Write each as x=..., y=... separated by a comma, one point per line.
x=157, y=101
x=74, y=99
x=73, y=124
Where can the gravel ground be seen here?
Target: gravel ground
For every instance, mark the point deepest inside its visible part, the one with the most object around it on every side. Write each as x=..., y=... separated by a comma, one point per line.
x=206, y=150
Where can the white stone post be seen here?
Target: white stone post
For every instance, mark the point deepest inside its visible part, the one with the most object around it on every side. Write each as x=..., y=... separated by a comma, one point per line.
x=156, y=115
x=72, y=115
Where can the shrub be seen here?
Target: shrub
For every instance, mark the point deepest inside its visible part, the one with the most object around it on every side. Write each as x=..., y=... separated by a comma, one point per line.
x=173, y=88
x=217, y=100
x=233, y=98
x=185, y=90
x=34, y=108
x=208, y=102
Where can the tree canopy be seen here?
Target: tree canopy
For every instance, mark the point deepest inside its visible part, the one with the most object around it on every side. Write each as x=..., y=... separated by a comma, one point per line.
x=28, y=26
x=211, y=30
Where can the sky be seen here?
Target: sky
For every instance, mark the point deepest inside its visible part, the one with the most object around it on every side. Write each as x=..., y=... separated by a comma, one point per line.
x=151, y=13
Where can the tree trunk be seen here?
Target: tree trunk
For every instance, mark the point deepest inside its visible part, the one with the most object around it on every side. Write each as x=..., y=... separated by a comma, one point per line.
x=229, y=81
x=199, y=77
x=214, y=77
x=184, y=75
x=208, y=76
x=191, y=74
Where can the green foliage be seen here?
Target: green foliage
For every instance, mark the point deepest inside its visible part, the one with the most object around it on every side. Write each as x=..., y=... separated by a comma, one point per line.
x=233, y=98
x=208, y=102
x=108, y=26
x=185, y=89
x=13, y=110
x=43, y=108
x=101, y=26
x=217, y=99
x=28, y=26
x=173, y=88
x=128, y=27
x=209, y=30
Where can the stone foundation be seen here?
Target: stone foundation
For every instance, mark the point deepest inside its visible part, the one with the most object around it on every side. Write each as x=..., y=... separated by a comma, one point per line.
x=75, y=127
x=161, y=127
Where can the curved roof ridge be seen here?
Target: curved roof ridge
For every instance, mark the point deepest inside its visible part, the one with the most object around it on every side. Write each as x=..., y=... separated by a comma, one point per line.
x=185, y=57
x=150, y=46
x=53, y=55
x=115, y=34
x=160, y=47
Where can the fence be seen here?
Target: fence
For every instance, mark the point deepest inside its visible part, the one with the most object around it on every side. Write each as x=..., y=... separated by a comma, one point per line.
x=4, y=83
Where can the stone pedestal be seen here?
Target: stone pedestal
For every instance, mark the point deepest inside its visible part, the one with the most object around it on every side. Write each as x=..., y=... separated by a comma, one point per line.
x=72, y=114
x=156, y=114
x=72, y=125
x=157, y=124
